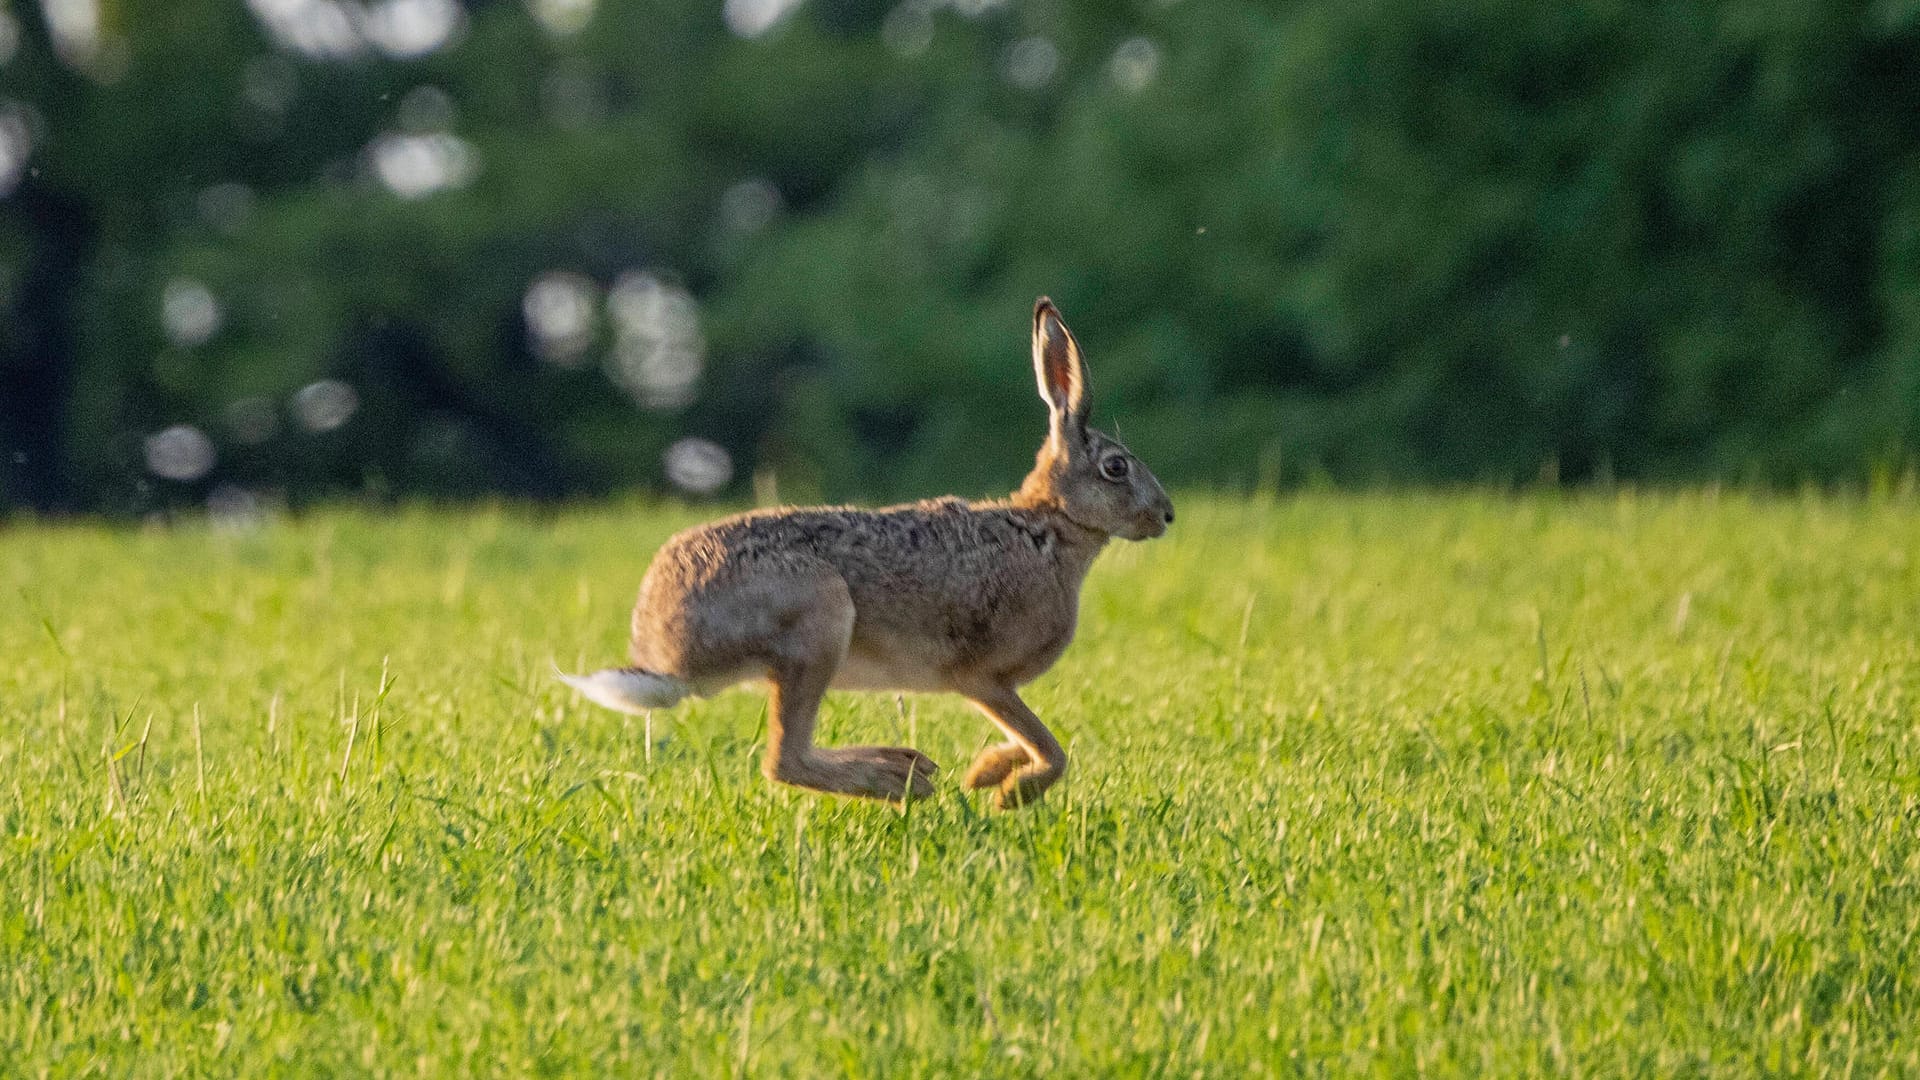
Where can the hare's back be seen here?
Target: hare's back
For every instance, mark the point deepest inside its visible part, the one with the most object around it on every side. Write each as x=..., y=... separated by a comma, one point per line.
x=942, y=547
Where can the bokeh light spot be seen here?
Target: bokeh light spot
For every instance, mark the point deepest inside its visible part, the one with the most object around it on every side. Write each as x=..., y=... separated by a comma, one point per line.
x=560, y=308
x=235, y=509
x=1134, y=64
x=16, y=145
x=182, y=452
x=405, y=29
x=1030, y=63
x=572, y=97
x=750, y=206
x=658, y=350
x=562, y=18
x=269, y=84
x=699, y=466
x=415, y=166
x=325, y=405
x=9, y=37
x=74, y=26
x=753, y=18
x=321, y=29
x=189, y=312
x=908, y=29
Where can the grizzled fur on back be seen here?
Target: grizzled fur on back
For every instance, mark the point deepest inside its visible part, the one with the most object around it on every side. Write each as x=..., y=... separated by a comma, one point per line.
x=976, y=598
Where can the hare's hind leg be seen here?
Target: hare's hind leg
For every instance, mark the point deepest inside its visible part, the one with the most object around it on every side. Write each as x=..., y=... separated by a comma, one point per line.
x=1023, y=768
x=806, y=658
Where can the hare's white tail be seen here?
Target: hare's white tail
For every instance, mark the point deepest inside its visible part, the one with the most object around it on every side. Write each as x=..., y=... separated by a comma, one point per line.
x=629, y=689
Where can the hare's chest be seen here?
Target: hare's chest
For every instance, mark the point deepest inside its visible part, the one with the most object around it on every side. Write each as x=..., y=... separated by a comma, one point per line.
x=1024, y=669
x=1032, y=636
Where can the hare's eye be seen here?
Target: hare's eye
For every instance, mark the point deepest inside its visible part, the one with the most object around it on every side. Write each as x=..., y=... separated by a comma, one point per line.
x=1114, y=468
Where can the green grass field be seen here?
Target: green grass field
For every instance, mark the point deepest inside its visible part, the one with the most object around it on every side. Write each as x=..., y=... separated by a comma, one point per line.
x=1384, y=784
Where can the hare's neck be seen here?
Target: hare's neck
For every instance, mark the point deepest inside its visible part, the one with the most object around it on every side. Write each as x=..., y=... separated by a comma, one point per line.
x=1077, y=548
x=1075, y=545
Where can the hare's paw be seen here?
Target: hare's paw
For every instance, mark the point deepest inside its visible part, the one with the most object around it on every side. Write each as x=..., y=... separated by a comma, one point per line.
x=914, y=759
x=993, y=765
x=1025, y=786
x=878, y=772
x=900, y=772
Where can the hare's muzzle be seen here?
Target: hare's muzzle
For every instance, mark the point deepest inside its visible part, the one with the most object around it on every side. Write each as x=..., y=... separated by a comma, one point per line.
x=1153, y=522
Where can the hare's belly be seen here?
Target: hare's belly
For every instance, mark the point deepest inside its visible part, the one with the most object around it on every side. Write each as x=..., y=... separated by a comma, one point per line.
x=892, y=670
x=948, y=653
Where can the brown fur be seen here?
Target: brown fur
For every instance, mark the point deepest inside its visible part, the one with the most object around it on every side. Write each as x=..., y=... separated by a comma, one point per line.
x=977, y=598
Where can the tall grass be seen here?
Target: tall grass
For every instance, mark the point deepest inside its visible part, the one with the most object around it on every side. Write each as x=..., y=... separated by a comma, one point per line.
x=1460, y=784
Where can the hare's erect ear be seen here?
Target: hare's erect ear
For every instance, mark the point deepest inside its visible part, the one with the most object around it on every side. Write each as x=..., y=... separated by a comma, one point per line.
x=1058, y=367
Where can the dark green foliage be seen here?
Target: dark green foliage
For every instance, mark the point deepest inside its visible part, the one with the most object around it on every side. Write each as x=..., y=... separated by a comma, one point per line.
x=1363, y=240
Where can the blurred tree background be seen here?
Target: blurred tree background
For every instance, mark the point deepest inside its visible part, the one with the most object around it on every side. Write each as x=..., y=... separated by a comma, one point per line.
x=290, y=249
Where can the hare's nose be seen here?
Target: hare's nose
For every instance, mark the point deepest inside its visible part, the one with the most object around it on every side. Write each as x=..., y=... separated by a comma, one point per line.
x=1169, y=515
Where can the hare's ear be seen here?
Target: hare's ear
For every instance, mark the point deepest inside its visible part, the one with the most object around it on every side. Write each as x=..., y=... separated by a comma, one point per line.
x=1058, y=367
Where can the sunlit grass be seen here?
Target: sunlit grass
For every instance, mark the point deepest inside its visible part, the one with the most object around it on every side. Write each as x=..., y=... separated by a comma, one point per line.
x=1467, y=784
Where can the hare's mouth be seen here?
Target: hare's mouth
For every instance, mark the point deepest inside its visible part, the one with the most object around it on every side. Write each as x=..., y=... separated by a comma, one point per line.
x=1148, y=528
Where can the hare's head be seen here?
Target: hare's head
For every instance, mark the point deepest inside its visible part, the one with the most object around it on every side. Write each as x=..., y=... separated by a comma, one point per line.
x=1082, y=473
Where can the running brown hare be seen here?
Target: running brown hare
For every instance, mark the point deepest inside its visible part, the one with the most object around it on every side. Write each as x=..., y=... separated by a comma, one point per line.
x=977, y=598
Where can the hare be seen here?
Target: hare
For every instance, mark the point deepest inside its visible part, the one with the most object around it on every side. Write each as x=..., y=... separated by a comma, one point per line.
x=977, y=598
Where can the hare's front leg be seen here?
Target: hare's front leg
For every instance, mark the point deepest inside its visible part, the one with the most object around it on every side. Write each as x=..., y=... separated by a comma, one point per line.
x=804, y=662
x=1024, y=767
x=993, y=764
